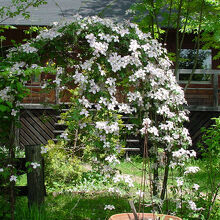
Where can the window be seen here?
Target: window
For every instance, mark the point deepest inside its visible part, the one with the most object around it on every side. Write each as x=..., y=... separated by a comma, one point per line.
x=187, y=57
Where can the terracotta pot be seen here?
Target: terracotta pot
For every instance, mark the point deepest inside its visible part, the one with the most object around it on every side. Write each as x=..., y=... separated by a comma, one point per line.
x=143, y=216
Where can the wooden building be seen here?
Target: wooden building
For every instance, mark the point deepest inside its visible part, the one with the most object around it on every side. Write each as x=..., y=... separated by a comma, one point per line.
x=39, y=120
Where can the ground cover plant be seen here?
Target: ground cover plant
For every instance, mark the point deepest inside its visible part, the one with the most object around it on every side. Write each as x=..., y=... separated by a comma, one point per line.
x=109, y=70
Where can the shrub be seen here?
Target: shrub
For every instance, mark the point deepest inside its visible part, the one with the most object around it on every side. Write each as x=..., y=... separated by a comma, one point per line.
x=61, y=168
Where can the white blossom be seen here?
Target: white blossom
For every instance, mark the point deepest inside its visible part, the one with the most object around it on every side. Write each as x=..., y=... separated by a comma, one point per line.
x=196, y=186
x=84, y=112
x=27, y=48
x=44, y=150
x=35, y=165
x=191, y=170
x=109, y=207
x=13, y=178
x=179, y=181
x=64, y=135
x=14, y=112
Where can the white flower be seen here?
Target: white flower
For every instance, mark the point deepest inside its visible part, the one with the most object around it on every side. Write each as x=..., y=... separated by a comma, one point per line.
x=140, y=193
x=85, y=102
x=28, y=49
x=83, y=125
x=44, y=150
x=146, y=122
x=133, y=45
x=84, y=112
x=112, y=159
x=192, y=205
x=44, y=86
x=48, y=34
x=179, y=181
x=13, y=178
x=192, y=153
x=124, y=178
x=129, y=126
x=153, y=130
x=35, y=165
x=1, y=169
x=192, y=170
x=64, y=135
x=109, y=207
x=57, y=81
x=98, y=107
x=4, y=94
x=111, y=81
x=14, y=112
x=196, y=186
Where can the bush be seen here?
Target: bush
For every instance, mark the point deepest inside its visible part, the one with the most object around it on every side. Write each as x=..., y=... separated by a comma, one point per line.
x=61, y=168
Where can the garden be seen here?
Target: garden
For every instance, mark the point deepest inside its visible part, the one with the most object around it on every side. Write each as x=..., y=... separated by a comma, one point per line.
x=110, y=70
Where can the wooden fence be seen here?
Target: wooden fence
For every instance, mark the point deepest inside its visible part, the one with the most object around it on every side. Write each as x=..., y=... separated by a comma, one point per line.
x=37, y=126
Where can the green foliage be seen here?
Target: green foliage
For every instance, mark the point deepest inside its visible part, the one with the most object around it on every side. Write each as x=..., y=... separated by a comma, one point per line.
x=211, y=142
x=16, y=7
x=61, y=167
x=199, y=17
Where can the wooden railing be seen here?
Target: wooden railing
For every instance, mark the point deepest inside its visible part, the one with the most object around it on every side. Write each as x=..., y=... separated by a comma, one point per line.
x=201, y=93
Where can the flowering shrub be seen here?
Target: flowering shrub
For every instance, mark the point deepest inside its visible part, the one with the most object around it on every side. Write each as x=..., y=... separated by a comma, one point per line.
x=111, y=70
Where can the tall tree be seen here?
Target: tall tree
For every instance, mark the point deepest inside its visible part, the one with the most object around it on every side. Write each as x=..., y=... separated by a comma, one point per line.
x=198, y=17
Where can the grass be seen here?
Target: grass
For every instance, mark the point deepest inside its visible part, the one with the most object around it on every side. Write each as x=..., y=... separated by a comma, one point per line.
x=70, y=206
x=90, y=206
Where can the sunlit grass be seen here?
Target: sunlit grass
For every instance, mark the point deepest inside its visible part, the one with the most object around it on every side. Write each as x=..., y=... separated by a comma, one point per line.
x=89, y=206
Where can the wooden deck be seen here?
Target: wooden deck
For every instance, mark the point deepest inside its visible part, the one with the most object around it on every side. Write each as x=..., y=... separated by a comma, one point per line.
x=202, y=95
x=38, y=119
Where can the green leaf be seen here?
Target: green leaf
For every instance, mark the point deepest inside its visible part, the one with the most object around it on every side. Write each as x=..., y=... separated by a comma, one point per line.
x=3, y=108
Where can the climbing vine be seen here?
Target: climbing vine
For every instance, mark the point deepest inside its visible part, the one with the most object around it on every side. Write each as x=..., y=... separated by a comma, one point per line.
x=110, y=70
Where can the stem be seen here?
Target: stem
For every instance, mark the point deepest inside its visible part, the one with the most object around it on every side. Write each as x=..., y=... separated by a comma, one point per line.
x=184, y=28
x=168, y=25
x=11, y=159
x=18, y=12
x=155, y=18
x=133, y=210
x=177, y=38
x=197, y=49
x=75, y=141
x=155, y=173
x=166, y=174
x=213, y=201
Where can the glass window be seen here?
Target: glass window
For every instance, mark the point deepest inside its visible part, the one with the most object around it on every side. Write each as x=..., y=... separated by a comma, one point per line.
x=204, y=61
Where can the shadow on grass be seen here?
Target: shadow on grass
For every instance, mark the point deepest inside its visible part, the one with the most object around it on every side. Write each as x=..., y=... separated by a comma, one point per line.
x=67, y=207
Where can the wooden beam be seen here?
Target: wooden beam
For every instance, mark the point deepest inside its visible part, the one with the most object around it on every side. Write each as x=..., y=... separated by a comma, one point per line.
x=203, y=108
x=36, y=106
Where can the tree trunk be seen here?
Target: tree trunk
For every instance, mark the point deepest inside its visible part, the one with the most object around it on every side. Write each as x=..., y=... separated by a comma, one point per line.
x=35, y=178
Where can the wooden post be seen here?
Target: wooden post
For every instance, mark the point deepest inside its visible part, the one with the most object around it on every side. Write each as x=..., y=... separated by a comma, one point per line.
x=35, y=178
x=215, y=89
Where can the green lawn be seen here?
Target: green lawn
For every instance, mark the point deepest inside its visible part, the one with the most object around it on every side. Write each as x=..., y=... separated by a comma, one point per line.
x=90, y=205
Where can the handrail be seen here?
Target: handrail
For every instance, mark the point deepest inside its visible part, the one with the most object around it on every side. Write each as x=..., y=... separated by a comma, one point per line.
x=214, y=82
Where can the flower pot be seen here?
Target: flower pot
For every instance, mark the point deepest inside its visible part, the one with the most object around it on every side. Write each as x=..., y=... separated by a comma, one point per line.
x=143, y=216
